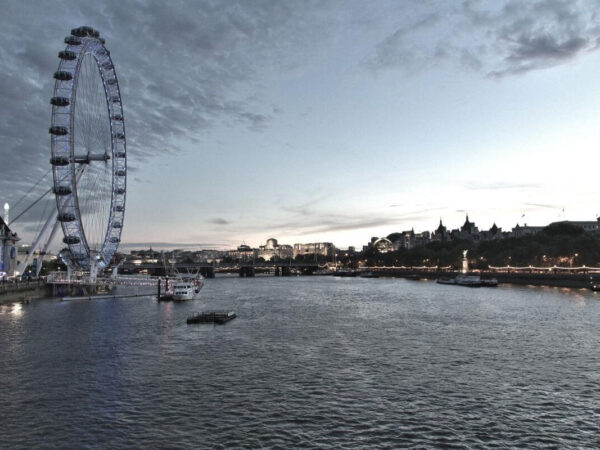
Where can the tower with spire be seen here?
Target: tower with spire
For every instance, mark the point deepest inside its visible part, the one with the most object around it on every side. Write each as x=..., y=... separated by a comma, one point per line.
x=441, y=233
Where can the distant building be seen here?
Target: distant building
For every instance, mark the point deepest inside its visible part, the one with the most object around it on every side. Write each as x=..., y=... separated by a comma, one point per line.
x=149, y=256
x=525, y=230
x=589, y=226
x=469, y=231
x=493, y=233
x=243, y=253
x=8, y=251
x=272, y=250
x=441, y=233
x=383, y=245
x=210, y=256
x=315, y=248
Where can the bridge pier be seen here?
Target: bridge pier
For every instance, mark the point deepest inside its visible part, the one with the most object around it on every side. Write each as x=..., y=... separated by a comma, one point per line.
x=246, y=271
x=207, y=272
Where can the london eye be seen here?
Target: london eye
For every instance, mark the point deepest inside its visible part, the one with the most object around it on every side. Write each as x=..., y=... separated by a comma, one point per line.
x=88, y=151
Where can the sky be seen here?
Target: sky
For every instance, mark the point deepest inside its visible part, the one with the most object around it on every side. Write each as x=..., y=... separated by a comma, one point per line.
x=312, y=121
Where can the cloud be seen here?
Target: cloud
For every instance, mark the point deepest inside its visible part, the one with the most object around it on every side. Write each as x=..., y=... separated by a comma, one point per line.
x=499, y=38
x=218, y=221
x=184, y=68
x=400, y=50
x=304, y=222
x=544, y=205
x=501, y=185
x=172, y=245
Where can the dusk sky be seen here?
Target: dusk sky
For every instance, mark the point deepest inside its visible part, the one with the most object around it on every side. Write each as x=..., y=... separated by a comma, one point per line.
x=323, y=121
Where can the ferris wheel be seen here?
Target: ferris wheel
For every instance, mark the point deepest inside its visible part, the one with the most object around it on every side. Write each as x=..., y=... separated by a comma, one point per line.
x=88, y=151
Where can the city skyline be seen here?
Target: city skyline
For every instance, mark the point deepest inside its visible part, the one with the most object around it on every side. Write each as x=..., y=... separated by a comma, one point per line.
x=324, y=122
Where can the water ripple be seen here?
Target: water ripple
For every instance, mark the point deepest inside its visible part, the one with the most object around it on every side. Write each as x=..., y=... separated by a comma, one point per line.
x=310, y=362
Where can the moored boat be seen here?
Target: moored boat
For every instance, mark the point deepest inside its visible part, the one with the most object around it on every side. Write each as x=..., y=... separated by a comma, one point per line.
x=468, y=280
x=186, y=287
x=369, y=274
x=489, y=282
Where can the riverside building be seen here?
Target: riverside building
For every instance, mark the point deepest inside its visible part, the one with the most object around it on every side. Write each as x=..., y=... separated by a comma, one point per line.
x=8, y=251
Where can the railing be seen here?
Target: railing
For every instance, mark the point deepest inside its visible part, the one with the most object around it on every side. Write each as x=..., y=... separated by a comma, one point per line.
x=82, y=278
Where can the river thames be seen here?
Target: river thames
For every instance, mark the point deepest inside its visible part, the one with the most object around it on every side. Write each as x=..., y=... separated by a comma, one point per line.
x=309, y=362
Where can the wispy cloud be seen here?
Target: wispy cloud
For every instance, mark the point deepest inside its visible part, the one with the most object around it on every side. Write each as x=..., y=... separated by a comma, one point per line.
x=544, y=205
x=501, y=185
x=173, y=245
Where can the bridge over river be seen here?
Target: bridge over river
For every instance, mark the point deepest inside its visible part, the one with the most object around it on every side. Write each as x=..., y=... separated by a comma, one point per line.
x=244, y=269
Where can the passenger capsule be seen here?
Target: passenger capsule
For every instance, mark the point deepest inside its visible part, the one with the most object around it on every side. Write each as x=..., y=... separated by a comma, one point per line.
x=72, y=40
x=83, y=31
x=118, y=117
x=119, y=154
x=117, y=225
x=119, y=191
x=79, y=32
x=114, y=240
x=63, y=75
x=66, y=217
x=71, y=240
x=111, y=81
x=62, y=190
x=59, y=161
x=120, y=135
x=59, y=101
x=120, y=173
x=119, y=208
x=58, y=131
x=67, y=55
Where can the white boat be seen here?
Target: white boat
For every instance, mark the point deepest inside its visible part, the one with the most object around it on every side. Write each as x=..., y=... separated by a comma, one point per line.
x=181, y=285
x=186, y=287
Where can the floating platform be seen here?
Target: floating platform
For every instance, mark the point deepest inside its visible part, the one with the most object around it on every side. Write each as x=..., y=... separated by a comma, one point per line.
x=219, y=317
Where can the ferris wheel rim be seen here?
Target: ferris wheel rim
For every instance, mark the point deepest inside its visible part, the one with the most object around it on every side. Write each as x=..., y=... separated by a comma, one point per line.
x=84, y=42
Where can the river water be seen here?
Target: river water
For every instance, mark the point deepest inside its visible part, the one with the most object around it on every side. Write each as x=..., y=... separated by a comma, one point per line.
x=309, y=362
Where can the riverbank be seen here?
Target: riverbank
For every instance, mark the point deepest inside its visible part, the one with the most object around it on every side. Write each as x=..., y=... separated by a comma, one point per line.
x=569, y=280
x=22, y=291
x=35, y=290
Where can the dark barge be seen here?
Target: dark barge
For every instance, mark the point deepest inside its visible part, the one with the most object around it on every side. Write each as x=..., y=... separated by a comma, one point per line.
x=218, y=317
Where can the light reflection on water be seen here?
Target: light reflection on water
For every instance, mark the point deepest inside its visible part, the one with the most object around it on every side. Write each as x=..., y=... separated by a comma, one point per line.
x=14, y=309
x=308, y=362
